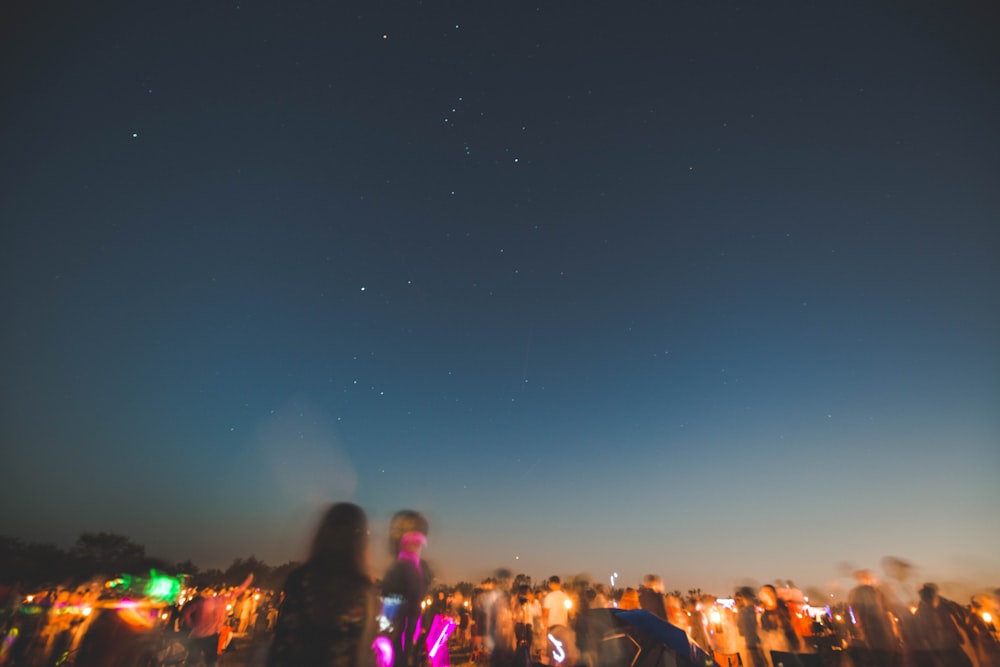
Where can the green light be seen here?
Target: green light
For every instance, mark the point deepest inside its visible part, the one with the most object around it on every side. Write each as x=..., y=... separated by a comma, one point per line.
x=162, y=587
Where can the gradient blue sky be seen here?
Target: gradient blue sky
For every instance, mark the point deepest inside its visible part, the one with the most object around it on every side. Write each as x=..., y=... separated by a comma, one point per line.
x=701, y=289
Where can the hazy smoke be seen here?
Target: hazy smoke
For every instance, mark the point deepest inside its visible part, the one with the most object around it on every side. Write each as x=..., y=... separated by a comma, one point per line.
x=305, y=457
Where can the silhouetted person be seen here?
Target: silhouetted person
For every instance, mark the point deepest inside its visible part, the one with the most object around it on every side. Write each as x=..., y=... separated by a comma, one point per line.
x=776, y=621
x=406, y=583
x=698, y=624
x=746, y=622
x=651, y=596
x=874, y=642
x=938, y=623
x=327, y=616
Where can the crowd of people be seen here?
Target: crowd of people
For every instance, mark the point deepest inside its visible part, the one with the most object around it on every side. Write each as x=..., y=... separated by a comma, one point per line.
x=331, y=612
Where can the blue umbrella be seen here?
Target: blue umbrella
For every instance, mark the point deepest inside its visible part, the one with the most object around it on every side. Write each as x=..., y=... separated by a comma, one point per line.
x=638, y=638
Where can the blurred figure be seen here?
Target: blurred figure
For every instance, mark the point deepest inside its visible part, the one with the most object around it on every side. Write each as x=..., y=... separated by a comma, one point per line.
x=561, y=646
x=980, y=632
x=586, y=641
x=697, y=624
x=406, y=582
x=556, y=605
x=938, y=622
x=872, y=640
x=524, y=623
x=460, y=609
x=500, y=633
x=327, y=616
x=776, y=622
x=746, y=621
x=722, y=627
x=206, y=616
x=651, y=596
x=601, y=598
x=481, y=602
x=675, y=610
x=630, y=599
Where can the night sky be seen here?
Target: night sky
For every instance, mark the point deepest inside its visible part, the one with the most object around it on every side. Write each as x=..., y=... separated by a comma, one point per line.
x=706, y=289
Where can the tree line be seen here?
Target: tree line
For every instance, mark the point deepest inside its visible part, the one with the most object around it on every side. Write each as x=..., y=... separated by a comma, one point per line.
x=35, y=565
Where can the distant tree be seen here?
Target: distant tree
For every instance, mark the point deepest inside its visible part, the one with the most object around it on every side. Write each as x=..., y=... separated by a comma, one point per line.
x=12, y=559
x=186, y=567
x=465, y=588
x=521, y=580
x=240, y=569
x=108, y=553
x=275, y=579
x=34, y=564
x=210, y=578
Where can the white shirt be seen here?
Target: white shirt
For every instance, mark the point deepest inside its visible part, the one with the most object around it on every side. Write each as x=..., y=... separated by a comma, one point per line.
x=555, y=602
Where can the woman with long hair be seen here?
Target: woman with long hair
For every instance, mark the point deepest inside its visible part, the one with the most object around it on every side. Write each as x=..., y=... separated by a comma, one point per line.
x=327, y=616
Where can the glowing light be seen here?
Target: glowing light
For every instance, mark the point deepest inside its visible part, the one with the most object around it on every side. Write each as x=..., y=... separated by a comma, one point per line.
x=161, y=587
x=442, y=638
x=558, y=654
x=568, y=603
x=86, y=611
x=135, y=619
x=29, y=598
x=715, y=616
x=854, y=621
x=382, y=646
x=11, y=637
x=987, y=617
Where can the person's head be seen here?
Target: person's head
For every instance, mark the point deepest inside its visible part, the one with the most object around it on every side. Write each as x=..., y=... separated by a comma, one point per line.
x=865, y=577
x=341, y=539
x=555, y=583
x=653, y=582
x=412, y=542
x=929, y=594
x=744, y=596
x=768, y=597
x=403, y=522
